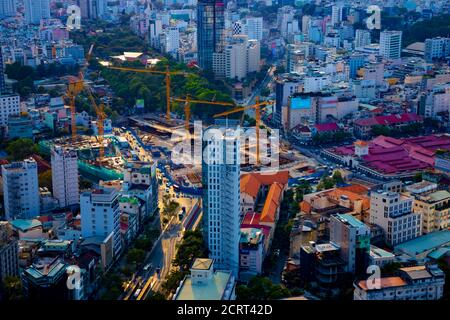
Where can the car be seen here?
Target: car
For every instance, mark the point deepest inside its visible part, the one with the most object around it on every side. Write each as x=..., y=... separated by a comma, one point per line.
x=148, y=267
x=136, y=294
x=167, y=190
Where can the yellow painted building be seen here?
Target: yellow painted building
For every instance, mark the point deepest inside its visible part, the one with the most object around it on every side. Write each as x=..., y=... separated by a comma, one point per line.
x=435, y=209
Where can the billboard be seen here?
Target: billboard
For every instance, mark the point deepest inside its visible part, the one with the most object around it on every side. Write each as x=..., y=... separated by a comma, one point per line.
x=140, y=103
x=301, y=103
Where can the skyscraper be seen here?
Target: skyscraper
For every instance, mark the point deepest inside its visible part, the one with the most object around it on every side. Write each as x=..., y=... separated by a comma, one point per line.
x=210, y=30
x=21, y=189
x=221, y=196
x=65, y=176
x=35, y=10
x=7, y=8
x=92, y=9
x=391, y=44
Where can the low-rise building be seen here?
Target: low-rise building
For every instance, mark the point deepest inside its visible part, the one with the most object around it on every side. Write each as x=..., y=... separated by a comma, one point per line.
x=205, y=283
x=251, y=252
x=435, y=210
x=380, y=257
x=413, y=283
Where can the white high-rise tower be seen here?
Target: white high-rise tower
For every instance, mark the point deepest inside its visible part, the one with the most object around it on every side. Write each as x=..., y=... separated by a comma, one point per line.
x=65, y=176
x=221, y=196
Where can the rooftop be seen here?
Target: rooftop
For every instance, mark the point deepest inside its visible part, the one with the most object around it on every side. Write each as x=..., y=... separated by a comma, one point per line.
x=380, y=253
x=348, y=218
x=418, y=272
x=202, y=264
x=25, y=224
x=392, y=156
x=387, y=282
x=213, y=290
x=424, y=243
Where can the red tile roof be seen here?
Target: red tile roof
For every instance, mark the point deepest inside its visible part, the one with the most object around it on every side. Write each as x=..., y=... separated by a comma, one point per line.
x=389, y=155
x=324, y=127
x=272, y=203
x=251, y=182
x=389, y=120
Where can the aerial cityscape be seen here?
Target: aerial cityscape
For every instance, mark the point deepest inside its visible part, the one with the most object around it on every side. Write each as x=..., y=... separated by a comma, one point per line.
x=224, y=150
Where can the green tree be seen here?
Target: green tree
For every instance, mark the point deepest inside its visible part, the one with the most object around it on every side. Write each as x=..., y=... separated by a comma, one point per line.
x=381, y=130
x=326, y=183
x=13, y=288
x=45, y=179
x=337, y=177
x=191, y=247
x=85, y=184
x=261, y=288
x=135, y=255
x=21, y=148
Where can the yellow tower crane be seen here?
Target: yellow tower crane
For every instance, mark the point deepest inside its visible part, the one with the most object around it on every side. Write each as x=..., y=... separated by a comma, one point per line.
x=257, y=106
x=167, y=74
x=187, y=107
x=74, y=87
x=101, y=116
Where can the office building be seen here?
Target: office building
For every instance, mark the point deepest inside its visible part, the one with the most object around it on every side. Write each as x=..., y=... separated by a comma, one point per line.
x=353, y=236
x=172, y=41
x=221, y=196
x=254, y=28
x=8, y=8
x=155, y=27
x=21, y=190
x=391, y=44
x=9, y=259
x=412, y=283
x=35, y=10
x=336, y=14
x=285, y=86
x=92, y=9
x=9, y=105
x=437, y=48
x=100, y=215
x=65, y=176
x=239, y=57
x=393, y=212
x=210, y=31
x=362, y=38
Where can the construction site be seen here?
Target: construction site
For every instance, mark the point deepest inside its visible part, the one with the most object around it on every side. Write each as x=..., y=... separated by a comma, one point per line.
x=149, y=137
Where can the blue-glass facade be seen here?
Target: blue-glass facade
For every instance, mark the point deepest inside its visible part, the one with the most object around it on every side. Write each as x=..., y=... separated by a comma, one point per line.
x=210, y=30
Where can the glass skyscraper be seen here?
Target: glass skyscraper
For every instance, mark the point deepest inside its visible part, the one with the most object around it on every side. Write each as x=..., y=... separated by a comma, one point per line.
x=210, y=30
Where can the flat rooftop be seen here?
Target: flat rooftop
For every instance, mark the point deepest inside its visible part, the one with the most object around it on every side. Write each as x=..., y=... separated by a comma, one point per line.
x=387, y=282
x=351, y=220
x=424, y=243
x=213, y=290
